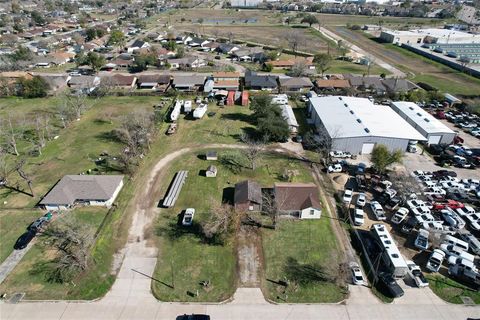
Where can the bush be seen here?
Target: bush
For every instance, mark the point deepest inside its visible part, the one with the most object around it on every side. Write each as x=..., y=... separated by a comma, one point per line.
x=32, y=88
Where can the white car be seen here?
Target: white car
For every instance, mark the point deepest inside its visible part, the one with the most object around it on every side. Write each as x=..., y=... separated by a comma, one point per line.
x=361, y=200
x=426, y=217
x=335, y=168
x=340, y=154
x=420, y=173
x=416, y=203
x=454, y=253
x=378, y=210
x=465, y=211
x=473, y=221
x=188, y=217
x=418, y=211
x=435, y=260
x=400, y=215
x=358, y=216
x=347, y=196
x=421, y=242
x=357, y=275
x=416, y=274
x=434, y=191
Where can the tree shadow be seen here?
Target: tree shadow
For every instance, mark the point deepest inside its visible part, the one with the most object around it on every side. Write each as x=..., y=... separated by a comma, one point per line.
x=304, y=273
x=175, y=230
x=237, y=116
x=228, y=195
x=107, y=136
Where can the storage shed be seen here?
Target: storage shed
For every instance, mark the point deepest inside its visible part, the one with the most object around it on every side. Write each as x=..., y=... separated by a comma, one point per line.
x=211, y=155
x=211, y=172
x=356, y=124
x=431, y=128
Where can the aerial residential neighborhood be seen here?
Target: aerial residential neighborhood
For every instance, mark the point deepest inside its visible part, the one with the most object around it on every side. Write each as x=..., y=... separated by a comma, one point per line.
x=197, y=160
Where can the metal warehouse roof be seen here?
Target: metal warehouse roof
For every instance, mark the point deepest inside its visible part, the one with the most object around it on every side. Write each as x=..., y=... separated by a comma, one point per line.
x=422, y=118
x=345, y=117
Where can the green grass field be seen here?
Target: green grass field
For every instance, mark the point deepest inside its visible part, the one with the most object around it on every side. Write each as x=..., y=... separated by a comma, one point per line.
x=342, y=67
x=451, y=291
x=303, y=254
x=13, y=223
x=183, y=249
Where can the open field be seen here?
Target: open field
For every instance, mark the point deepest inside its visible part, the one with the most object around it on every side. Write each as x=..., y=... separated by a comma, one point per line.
x=304, y=254
x=183, y=249
x=14, y=223
x=30, y=275
x=450, y=290
x=418, y=67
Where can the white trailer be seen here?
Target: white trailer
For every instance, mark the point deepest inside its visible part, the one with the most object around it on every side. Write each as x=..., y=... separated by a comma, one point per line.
x=176, y=111
x=200, y=111
x=187, y=106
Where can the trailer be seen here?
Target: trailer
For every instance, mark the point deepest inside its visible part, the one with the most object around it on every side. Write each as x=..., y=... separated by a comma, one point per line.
x=176, y=110
x=175, y=188
x=200, y=111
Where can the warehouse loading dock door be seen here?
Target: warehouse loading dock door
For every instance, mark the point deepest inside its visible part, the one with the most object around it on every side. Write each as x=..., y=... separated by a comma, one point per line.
x=367, y=148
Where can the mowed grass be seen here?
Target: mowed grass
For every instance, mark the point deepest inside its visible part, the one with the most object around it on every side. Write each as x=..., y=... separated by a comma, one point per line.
x=29, y=276
x=342, y=67
x=13, y=223
x=301, y=253
x=185, y=259
x=451, y=291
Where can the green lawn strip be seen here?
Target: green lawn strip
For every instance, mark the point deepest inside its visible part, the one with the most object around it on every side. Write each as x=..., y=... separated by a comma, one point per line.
x=29, y=276
x=183, y=249
x=342, y=67
x=450, y=290
x=310, y=246
x=13, y=223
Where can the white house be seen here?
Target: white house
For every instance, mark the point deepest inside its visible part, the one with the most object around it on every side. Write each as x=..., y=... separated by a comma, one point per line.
x=298, y=199
x=92, y=190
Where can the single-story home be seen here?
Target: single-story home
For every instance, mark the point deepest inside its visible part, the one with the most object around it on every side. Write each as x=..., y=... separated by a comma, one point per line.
x=119, y=81
x=254, y=81
x=137, y=44
x=302, y=84
x=188, y=83
x=93, y=190
x=298, y=199
x=247, y=196
x=186, y=63
x=159, y=82
x=332, y=84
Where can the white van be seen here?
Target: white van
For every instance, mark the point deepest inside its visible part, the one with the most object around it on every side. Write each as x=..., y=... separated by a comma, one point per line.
x=472, y=241
x=456, y=242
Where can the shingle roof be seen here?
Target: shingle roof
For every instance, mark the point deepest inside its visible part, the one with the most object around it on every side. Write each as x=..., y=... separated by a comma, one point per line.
x=332, y=83
x=296, y=196
x=248, y=190
x=154, y=78
x=252, y=80
x=82, y=187
x=295, y=82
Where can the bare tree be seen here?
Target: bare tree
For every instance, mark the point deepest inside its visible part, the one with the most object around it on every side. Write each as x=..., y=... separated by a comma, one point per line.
x=298, y=69
x=11, y=133
x=253, y=150
x=24, y=176
x=136, y=131
x=269, y=207
x=72, y=242
x=223, y=218
x=40, y=133
x=295, y=39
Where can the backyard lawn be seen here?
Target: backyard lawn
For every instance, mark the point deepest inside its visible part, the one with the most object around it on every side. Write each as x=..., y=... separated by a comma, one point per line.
x=304, y=255
x=185, y=259
x=451, y=291
x=13, y=223
x=29, y=276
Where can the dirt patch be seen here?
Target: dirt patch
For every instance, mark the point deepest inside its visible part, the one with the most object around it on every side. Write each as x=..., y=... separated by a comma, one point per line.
x=248, y=257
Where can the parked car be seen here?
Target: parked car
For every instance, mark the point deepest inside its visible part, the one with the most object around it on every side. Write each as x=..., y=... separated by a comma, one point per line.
x=400, y=215
x=387, y=281
x=408, y=226
x=24, y=240
x=347, y=196
x=358, y=216
x=340, y=154
x=357, y=275
x=361, y=200
x=455, y=252
x=473, y=220
x=435, y=260
x=421, y=242
x=378, y=210
x=335, y=168
x=194, y=317
x=188, y=217
x=416, y=274
x=38, y=224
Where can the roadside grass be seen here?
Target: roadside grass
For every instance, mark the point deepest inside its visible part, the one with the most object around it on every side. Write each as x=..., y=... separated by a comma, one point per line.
x=303, y=254
x=185, y=258
x=450, y=290
x=13, y=223
x=29, y=276
x=342, y=67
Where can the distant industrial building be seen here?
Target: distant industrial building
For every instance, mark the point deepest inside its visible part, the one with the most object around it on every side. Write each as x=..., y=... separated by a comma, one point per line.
x=245, y=3
x=431, y=128
x=356, y=125
x=443, y=36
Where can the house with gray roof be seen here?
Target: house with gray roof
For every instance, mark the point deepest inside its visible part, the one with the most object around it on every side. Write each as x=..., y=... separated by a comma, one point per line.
x=92, y=190
x=254, y=81
x=188, y=83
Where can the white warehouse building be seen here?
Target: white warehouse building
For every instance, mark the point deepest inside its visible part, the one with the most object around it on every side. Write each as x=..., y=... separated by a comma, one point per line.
x=431, y=128
x=356, y=125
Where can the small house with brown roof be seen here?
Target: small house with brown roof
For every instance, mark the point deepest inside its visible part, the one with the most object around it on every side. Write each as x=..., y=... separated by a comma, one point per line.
x=248, y=196
x=119, y=81
x=301, y=84
x=298, y=199
x=332, y=84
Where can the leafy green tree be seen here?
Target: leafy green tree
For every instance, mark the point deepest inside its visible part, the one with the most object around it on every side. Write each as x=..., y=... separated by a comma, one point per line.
x=180, y=52
x=310, y=19
x=268, y=117
x=90, y=34
x=267, y=67
x=171, y=45
x=38, y=18
x=117, y=38
x=143, y=61
x=322, y=62
x=95, y=60
x=21, y=54
x=382, y=158
x=32, y=88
